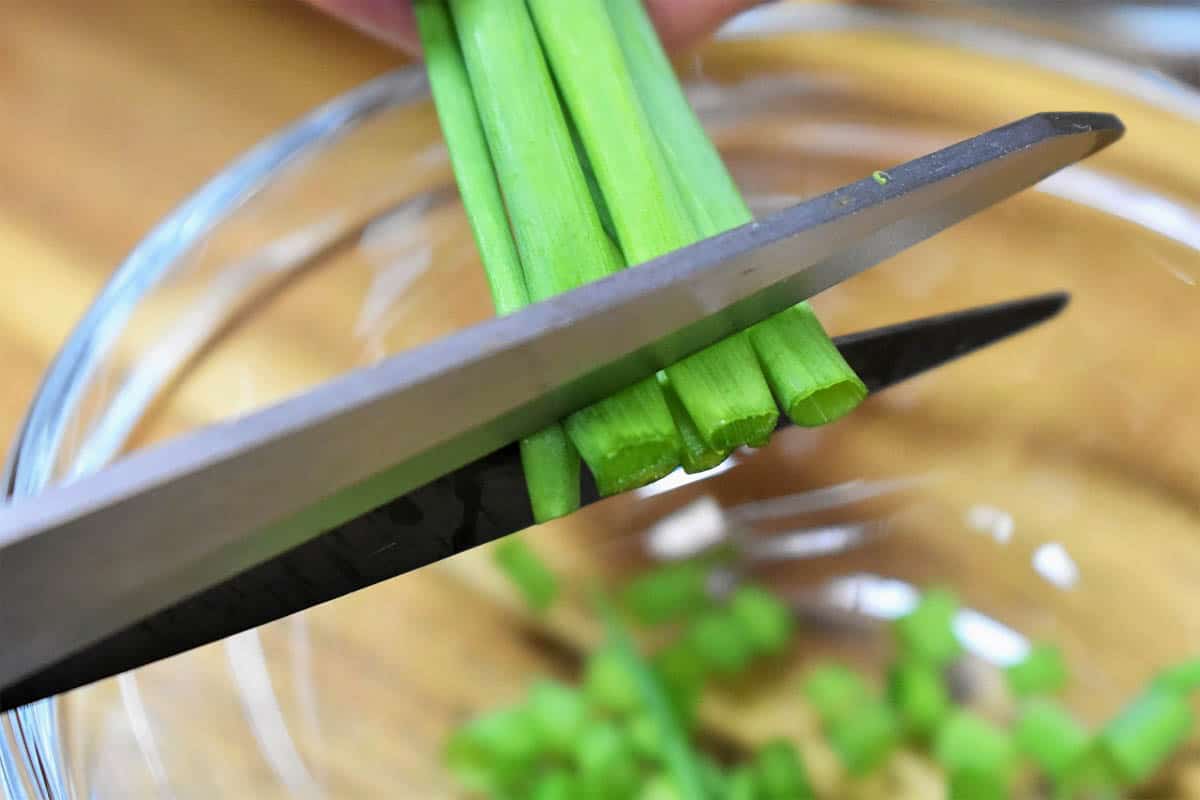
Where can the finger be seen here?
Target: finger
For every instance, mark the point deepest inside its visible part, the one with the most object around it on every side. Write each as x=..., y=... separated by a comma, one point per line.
x=684, y=22
x=390, y=21
x=679, y=22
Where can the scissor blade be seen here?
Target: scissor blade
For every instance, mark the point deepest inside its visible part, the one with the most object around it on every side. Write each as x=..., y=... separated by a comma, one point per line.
x=477, y=503
x=162, y=524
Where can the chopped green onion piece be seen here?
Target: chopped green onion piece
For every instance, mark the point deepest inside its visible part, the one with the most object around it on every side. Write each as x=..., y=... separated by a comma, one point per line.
x=741, y=784
x=696, y=455
x=1183, y=677
x=766, y=623
x=558, y=714
x=966, y=741
x=1050, y=737
x=682, y=674
x=550, y=461
x=976, y=784
x=666, y=593
x=660, y=787
x=1042, y=672
x=608, y=683
x=715, y=205
x=494, y=752
x=645, y=738
x=714, y=778
x=527, y=571
x=927, y=632
x=717, y=639
x=721, y=387
x=835, y=692
x=606, y=764
x=678, y=756
x=1146, y=733
x=556, y=785
x=628, y=439
x=779, y=772
x=865, y=738
x=918, y=693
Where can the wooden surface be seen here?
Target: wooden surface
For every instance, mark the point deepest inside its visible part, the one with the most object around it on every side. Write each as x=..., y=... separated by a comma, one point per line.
x=112, y=115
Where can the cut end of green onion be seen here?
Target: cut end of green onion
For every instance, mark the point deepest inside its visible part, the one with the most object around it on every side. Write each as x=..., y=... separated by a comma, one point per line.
x=536, y=583
x=725, y=394
x=966, y=741
x=827, y=404
x=810, y=379
x=556, y=785
x=1042, y=672
x=494, y=752
x=628, y=440
x=1146, y=733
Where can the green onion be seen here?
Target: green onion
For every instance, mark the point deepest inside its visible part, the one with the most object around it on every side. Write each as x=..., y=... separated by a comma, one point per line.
x=779, y=772
x=527, y=571
x=1183, y=677
x=645, y=738
x=741, y=784
x=811, y=381
x=697, y=455
x=666, y=593
x=678, y=756
x=766, y=623
x=628, y=439
x=919, y=695
x=556, y=785
x=717, y=639
x=865, y=738
x=682, y=674
x=1050, y=737
x=558, y=714
x=1146, y=733
x=549, y=459
x=660, y=787
x=493, y=753
x=968, y=740
x=721, y=387
x=1043, y=671
x=605, y=761
x=927, y=632
x=835, y=692
x=608, y=683
x=974, y=784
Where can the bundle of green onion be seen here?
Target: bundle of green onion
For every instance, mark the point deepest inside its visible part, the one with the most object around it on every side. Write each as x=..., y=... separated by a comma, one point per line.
x=576, y=154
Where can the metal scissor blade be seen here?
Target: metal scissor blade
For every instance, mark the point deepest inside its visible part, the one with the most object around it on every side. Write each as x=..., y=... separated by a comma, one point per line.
x=473, y=505
x=165, y=523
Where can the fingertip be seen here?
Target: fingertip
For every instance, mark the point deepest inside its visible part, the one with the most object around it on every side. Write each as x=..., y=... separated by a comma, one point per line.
x=681, y=23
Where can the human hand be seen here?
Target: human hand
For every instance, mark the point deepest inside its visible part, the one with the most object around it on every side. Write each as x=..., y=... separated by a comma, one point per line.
x=679, y=22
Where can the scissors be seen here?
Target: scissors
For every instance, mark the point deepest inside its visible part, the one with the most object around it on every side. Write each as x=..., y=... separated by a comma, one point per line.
x=396, y=466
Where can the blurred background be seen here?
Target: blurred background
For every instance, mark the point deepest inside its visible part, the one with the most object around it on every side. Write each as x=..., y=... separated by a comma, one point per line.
x=113, y=112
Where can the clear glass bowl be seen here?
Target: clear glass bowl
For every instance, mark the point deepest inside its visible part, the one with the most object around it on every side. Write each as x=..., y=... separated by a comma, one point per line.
x=1052, y=481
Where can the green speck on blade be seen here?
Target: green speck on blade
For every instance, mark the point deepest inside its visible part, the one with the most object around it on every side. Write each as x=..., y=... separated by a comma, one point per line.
x=881, y=177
